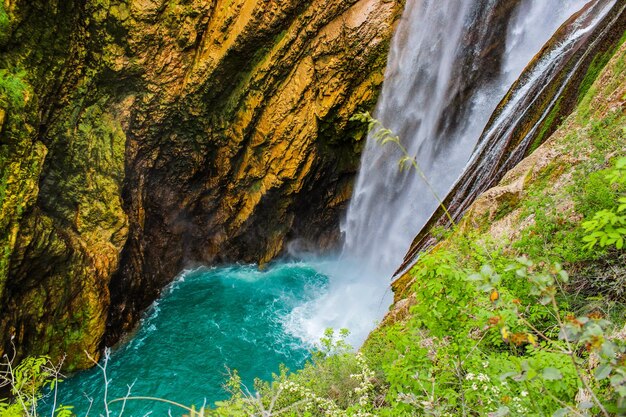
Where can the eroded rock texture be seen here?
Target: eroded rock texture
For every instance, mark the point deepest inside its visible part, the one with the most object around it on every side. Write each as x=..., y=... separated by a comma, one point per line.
x=142, y=136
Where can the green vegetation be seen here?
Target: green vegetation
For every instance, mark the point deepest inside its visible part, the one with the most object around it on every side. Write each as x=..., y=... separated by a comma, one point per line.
x=597, y=65
x=5, y=24
x=26, y=383
x=549, y=123
x=13, y=89
x=608, y=226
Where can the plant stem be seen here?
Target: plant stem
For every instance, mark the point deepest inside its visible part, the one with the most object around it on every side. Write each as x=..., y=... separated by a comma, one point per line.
x=152, y=399
x=428, y=184
x=573, y=359
x=384, y=135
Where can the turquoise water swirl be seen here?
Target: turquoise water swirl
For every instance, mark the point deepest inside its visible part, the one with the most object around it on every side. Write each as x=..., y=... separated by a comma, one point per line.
x=208, y=321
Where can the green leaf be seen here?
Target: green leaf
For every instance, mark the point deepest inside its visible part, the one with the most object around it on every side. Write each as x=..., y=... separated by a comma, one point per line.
x=617, y=380
x=474, y=277
x=495, y=279
x=603, y=371
x=552, y=374
x=545, y=300
x=561, y=412
x=608, y=349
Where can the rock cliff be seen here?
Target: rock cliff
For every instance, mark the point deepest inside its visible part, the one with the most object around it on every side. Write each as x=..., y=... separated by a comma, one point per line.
x=139, y=137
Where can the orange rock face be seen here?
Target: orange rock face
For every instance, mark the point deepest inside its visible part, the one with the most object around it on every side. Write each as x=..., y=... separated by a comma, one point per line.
x=194, y=132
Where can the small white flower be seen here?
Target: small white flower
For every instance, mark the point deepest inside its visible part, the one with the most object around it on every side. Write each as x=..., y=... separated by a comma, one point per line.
x=483, y=377
x=524, y=393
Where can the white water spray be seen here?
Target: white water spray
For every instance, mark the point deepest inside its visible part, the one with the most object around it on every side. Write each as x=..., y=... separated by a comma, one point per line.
x=429, y=63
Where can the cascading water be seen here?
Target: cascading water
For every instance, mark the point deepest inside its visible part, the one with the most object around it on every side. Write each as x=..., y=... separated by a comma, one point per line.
x=545, y=90
x=449, y=66
x=389, y=207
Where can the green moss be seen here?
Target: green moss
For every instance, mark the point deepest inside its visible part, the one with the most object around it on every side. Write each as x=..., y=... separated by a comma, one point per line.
x=5, y=24
x=549, y=125
x=119, y=12
x=597, y=65
x=13, y=89
x=255, y=187
x=585, y=109
x=505, y=207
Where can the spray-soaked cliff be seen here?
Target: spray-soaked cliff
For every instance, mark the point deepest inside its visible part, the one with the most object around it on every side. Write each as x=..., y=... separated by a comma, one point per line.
x=141, y=136
x=544, y=95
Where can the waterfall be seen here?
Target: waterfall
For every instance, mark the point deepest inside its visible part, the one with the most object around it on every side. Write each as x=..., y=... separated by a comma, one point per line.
x=389, y=207
x=449, y=66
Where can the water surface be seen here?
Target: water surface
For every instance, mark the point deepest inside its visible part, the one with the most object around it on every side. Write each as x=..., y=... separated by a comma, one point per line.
x=208, y=321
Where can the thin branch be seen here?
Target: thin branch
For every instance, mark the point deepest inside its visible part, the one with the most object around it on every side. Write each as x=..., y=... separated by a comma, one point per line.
x=130, y=387
x=56, y=386
x=384, y=135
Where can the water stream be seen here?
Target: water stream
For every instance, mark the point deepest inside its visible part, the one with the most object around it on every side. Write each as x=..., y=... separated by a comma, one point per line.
x=440, y=89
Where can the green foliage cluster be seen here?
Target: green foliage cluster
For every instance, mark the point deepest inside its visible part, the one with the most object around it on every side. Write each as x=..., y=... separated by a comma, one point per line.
x=508, y=354
x=556, y=233
x=336, y=382
x=26, y=383
x=608, y=226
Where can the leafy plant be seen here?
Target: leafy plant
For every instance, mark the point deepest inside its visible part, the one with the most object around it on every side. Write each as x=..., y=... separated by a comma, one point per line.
x=608, y=226
x=26, y=383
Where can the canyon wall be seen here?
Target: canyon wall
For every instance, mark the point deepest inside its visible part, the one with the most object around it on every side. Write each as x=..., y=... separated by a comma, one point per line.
x=141, y=137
